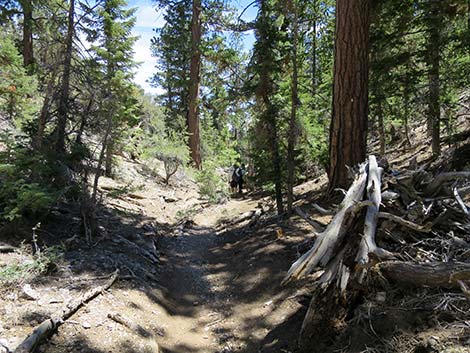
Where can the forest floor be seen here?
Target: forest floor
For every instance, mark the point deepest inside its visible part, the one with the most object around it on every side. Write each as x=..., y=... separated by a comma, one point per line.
x=215, y=287
x=212, y=284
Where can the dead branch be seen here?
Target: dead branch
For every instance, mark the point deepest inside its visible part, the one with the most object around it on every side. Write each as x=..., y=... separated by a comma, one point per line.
x=460, y=202
x=419, y=228
x=147, y=255
x=316, y=226
x=48, y=326
x=440, y=179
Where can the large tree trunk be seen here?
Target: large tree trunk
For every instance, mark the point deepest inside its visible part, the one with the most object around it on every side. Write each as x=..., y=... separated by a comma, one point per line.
x=64, y=92
x=293, y=114
x=28, y=57
x=348, y=129
x=194, y=79
x=434, y=108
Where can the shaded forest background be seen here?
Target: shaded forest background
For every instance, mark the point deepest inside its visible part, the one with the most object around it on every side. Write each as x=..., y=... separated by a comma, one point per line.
x=68, y=103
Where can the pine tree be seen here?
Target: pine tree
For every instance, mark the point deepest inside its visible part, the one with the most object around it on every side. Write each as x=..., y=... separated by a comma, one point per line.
x=114, y=56
x=348, y=130
x=267, y=63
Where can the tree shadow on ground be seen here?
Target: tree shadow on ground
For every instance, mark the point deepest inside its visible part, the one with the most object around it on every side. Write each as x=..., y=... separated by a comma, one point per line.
x=233, y=275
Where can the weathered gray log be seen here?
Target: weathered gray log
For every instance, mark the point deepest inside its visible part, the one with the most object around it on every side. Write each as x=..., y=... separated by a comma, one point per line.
x=431, y=274
x=47, y=327
x=368, y=244
x=321, y=252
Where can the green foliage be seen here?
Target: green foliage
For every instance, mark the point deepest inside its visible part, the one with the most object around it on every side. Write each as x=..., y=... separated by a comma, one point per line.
x=212, y=183
x=164, y=147
x=30, y=267
x=18, y=91
x=219, y=147
x=24, y=183
x=19, y=198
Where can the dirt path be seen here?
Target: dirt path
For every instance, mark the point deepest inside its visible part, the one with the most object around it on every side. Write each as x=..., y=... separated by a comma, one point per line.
x=209, y=293
x=184, y=275
x=225, y=292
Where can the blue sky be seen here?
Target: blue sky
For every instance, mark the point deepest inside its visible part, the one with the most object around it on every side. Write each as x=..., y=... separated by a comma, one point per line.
x=148, y=19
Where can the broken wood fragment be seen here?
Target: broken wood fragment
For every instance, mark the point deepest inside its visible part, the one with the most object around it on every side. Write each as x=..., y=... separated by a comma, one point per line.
x=316, y=226
x=147, y=255
x=419, y=228
x=47, y=327
x=368, y=244
x=322, y=250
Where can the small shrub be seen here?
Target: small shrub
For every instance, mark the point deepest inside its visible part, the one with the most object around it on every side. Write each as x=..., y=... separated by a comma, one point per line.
x=20, y=198
x=212, y=185
x=30, y=267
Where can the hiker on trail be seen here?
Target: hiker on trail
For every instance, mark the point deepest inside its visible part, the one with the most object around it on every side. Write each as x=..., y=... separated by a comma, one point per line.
x=240, y=172
x=233, y=178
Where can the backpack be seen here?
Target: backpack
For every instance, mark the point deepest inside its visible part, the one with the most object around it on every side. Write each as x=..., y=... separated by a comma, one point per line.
x=235, y=176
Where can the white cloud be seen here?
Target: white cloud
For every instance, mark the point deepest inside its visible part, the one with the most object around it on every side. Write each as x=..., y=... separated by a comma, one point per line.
x=148, y=17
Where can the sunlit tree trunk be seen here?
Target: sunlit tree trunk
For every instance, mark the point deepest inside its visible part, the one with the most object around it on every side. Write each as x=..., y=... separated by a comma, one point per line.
x=348, y=129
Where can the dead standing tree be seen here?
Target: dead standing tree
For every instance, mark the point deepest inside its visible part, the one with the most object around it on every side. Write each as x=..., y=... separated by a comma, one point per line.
x=345, y=252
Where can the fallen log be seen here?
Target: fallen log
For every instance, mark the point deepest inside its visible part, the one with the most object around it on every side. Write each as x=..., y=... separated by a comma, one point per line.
x=430, y=274
x=47, y=327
